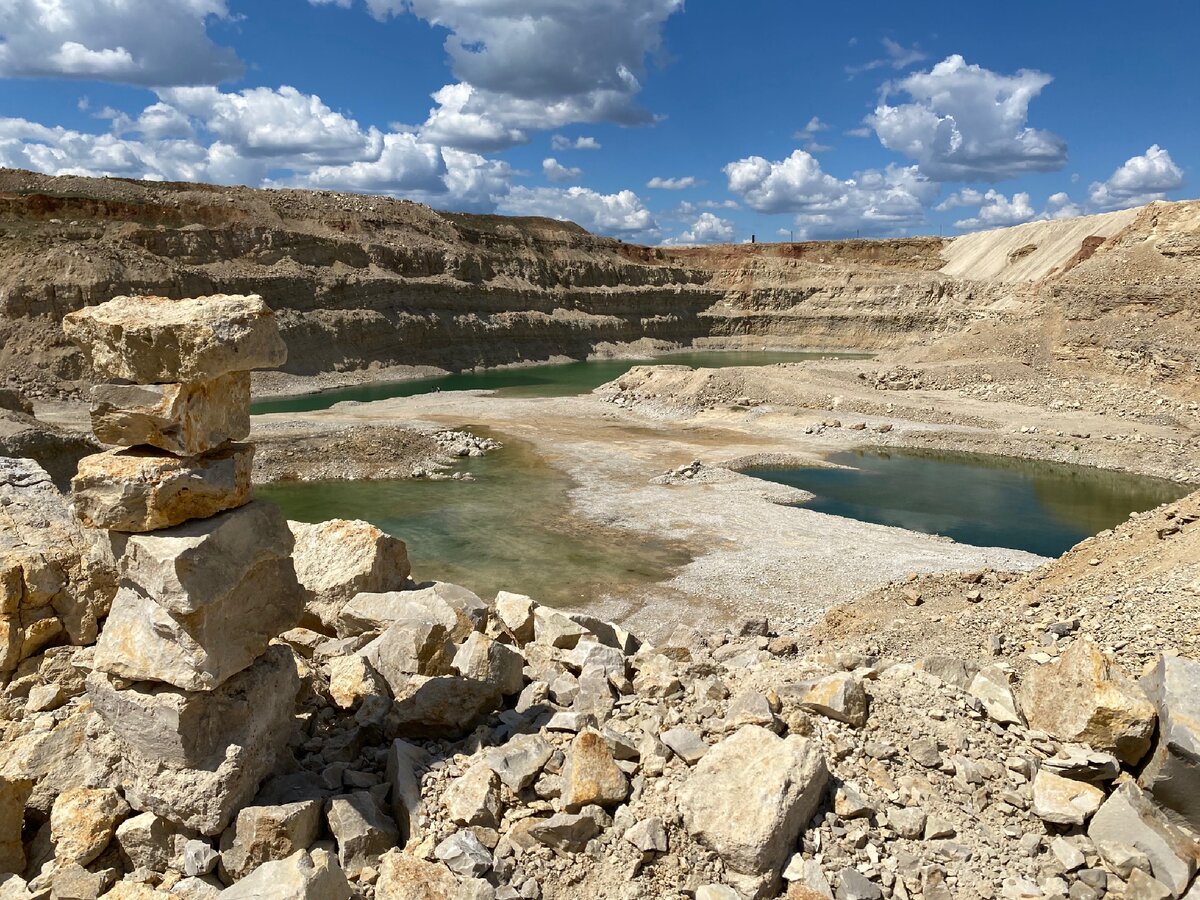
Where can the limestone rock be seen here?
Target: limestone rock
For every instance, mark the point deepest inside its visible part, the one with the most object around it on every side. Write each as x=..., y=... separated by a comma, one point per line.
x=152, y=340
x=648, y=835
x=749, y=797
x=404, y=877
x=410, y=648
x=554, y=629
x=1172, y=774
x=1062, y=801
x=186, y=419
x=403, y=761
x=518, y=762
x=515, y=615
x=352, y=679
x=13, y=794
x=362, y=830
x=568, y=831
x=1082, y=697
x=444, y=706
x=338, y=559
x=473, y=798
x=56, y=578
x=486, y=660
x=203, y=562
x=455, y=608
x=263, y=834
x=463, y=854
x=990, y=687
x=1130, y=817
x=686, y=744
x=73, y=882
x=839, y=696
x=83, y=821
x=142, y=641
x=199, y=858
x=302, y=876
x=196, y=757
x=142, y=490
x=590, y=774
x=147, y=841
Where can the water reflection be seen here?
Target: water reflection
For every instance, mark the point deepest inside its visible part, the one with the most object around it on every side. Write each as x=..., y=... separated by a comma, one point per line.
x=511, y=529
x=988, y=501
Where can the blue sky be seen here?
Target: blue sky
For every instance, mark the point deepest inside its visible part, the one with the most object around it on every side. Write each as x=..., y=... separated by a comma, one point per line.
x=651, y=120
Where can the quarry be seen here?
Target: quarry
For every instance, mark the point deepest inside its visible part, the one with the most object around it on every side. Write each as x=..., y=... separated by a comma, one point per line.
x=355, y=549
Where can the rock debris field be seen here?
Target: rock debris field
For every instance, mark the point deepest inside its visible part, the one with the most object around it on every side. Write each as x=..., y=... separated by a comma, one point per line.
x=203, y=700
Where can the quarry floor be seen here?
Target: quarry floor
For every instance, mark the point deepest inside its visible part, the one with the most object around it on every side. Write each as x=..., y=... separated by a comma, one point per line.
x=751, y=554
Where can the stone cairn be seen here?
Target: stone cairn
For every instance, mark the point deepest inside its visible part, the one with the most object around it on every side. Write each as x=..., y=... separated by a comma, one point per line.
x=190, y=695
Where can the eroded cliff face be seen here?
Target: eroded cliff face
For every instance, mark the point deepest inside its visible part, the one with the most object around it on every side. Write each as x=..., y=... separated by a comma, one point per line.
x=365, y=280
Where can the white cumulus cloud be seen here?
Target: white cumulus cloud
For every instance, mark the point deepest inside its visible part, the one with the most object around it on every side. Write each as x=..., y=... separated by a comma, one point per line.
x=556, y=171
x=707, y=229
x=561, y=142
x=968, y=123
x=621, y=214
x=142, y=42
x=999, y=211
x=1141, y=179
x=525, y=66
x=873, y=202
x=671, y=184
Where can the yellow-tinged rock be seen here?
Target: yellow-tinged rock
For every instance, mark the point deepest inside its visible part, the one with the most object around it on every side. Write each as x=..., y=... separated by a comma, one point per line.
x=153, y=340
x=142, y=490
x=83, y=821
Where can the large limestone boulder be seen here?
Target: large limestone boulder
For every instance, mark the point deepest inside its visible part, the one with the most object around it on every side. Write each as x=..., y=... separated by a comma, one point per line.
x=1084, y=698
x=152, y=340
x=195, y=758
x=444, y=706
x=142, y=490
x=1172, y=774
x=363, y=831
x=143, y=641
x=302, y=876
x=749, y=798
x=338, y=559
x=185, y=419
x=205, y=561
x=56, y=578
x=1130, y=817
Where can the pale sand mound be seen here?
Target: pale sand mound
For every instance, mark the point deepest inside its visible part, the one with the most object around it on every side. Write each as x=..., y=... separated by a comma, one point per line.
x=996, y=255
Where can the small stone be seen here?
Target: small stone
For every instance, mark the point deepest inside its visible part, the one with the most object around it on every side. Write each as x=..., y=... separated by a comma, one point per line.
x=686, y=744
x=302, y=876
x=648, y=835
x=1062, y=801
x=464, y=855
x=352, y=679
x=263, y=834
x=590, y=774
x=840, y=697
x=853, y=885
x=1070, y=856
x=473, y=798
x=515, y=613
x=908, y=822
x=991, y=687
x=518, y=762
x=362, y=830
x=924, y=752
x=199, y=858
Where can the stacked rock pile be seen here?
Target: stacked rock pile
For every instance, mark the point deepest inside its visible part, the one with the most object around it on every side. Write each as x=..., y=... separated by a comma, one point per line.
x=196, y=701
